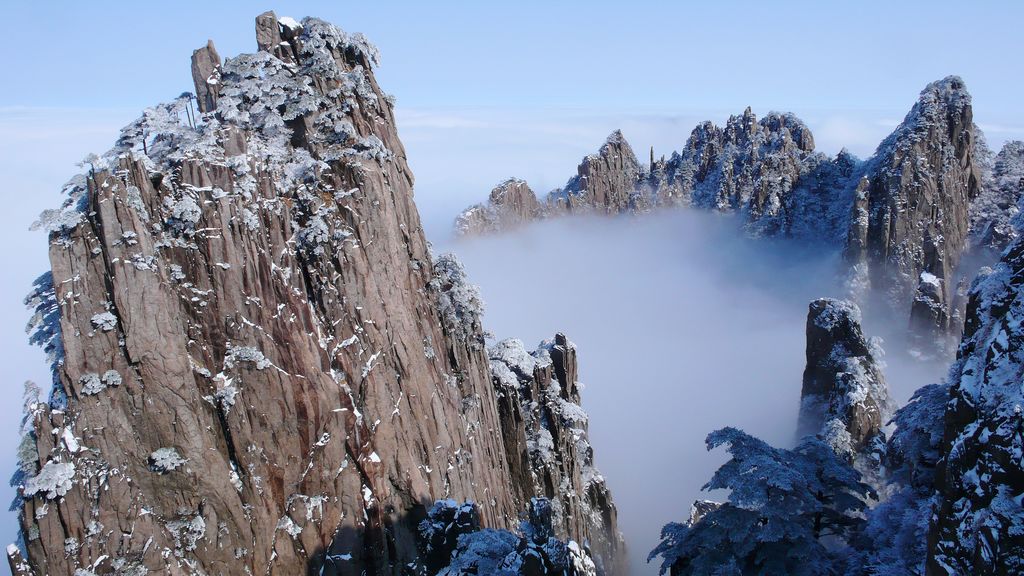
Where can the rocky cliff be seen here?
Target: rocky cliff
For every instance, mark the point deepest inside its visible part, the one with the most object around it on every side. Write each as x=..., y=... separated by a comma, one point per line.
x=844, y=397
x=920, y=183
x=512, y=203
x=547, y=443
x=979, y=521
x=604, y=182
x=992, y=212
x=258, y=367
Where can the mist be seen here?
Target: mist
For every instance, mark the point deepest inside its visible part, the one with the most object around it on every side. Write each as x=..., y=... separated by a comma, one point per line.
x=683, y=325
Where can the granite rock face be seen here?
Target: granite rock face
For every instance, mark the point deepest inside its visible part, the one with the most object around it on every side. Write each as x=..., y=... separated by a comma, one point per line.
x=206, y=76
x=920, y=185
x=258, y=367
x=605, y=182
x=844, y=397
x=979, y=524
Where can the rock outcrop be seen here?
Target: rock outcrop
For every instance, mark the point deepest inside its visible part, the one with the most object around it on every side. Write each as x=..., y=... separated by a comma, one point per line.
x=921, y=181
x=844, y=397
x=604, y=182
x=511, y=204
x=750, y=166
x=206, y=76
x=258, y=367
x=998, y=202
x=766, y=170
x=979, y=523
x=547, y=443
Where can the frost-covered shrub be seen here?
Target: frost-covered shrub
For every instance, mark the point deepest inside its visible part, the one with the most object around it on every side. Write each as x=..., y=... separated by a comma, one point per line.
x=105, y=321
x=246, y=354
x=187, y=531
x=446, y=521
x=164, y=460
x=53, y=480
x=314, y=235
x=895, y=536
x=133, y=198
x=111, y=378
x=788, y=512
x=459, y=302
x=227, y=396
x=452, y=544
x=91, y=383
x=62, y=220
x=182, y=213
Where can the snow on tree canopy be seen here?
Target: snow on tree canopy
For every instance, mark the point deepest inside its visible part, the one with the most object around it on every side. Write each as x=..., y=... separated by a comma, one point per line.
x=44, y=331
x=788, y=512
x=997, y=205
x=247, y=354
x=164, y=460
x=894, y=539
x=453, y=544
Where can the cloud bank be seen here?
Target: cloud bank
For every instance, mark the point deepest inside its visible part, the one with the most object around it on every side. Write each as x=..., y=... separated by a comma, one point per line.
x=683, y=326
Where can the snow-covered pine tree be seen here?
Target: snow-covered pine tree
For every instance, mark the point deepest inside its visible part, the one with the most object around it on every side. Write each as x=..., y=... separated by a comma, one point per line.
x=788, y=512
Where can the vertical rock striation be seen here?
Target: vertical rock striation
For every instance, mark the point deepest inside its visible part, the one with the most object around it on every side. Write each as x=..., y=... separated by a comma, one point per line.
x=604, y=182
x=258, y=368
x=920, y=184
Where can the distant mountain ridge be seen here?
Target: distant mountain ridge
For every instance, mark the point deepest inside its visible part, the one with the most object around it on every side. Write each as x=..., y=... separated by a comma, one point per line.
x=904, y=217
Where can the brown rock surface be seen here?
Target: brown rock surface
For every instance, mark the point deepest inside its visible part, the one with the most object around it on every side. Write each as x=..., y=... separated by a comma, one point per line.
x=258, y=367
x=922, y=179
x=604, y=181
x=844, y=396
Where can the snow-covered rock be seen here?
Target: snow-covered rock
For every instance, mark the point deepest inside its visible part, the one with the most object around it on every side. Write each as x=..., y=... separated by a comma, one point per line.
x=980, y=517
x=844, y=397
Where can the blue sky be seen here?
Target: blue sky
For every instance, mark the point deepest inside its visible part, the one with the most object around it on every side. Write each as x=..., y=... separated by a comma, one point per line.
x=485, y=91
x=637, y=55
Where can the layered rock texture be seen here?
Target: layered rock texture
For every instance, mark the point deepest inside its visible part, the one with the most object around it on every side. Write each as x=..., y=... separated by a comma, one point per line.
x=979, y=527
x=258, y=367
x=844, y=397
x=903, y=218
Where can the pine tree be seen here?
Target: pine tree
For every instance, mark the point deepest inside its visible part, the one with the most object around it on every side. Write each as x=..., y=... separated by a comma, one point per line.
x=788, y=512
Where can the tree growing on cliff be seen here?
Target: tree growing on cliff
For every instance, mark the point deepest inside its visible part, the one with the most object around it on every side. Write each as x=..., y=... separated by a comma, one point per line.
x=788, y=512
